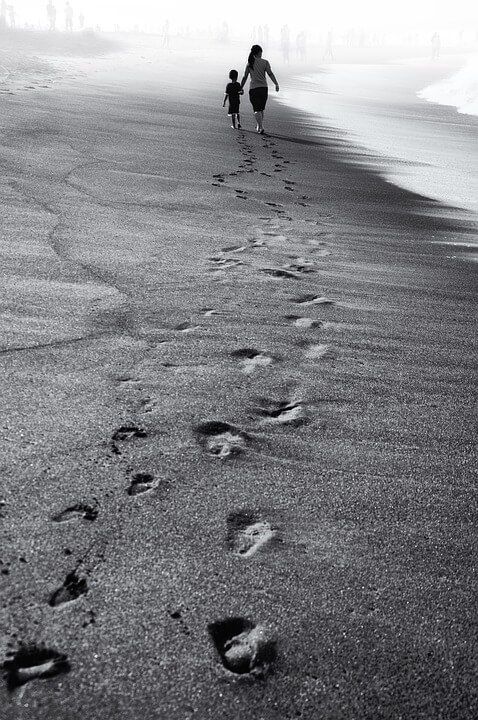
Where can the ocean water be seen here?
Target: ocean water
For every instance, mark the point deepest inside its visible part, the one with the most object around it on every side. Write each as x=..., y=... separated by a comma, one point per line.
x=460, y=90
x=417, y=143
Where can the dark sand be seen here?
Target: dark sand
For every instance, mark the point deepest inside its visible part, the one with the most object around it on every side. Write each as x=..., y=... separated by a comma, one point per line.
x=141, y=290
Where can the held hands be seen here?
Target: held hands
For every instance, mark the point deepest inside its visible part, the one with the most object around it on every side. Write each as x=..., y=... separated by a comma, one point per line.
x=277, y=88
x=241, y=92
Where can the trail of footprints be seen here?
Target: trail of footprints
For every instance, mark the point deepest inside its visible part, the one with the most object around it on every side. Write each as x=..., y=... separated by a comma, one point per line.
x=243, y=646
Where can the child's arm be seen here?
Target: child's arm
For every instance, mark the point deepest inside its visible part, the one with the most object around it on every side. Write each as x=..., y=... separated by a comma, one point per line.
x=225, y=98
x=246, y=73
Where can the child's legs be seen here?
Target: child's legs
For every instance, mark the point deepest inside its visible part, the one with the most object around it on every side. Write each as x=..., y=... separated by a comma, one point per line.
x=233, y=119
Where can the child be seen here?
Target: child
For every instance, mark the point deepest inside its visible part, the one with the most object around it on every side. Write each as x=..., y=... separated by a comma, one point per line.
x=233, y=90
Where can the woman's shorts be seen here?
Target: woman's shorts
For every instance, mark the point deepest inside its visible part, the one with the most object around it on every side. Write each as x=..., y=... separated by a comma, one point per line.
x=258, y=98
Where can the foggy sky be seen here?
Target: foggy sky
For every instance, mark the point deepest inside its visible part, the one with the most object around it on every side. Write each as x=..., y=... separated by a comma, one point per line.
x=310, y=14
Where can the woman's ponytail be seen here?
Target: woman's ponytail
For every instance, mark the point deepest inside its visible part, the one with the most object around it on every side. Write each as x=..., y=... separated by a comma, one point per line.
x=255, y=50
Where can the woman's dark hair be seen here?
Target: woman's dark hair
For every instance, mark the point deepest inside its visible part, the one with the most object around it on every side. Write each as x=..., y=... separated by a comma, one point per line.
x=233, y=75
x=255, y=50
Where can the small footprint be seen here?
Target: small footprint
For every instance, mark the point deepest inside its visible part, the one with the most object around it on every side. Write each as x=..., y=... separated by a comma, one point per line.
x=303, y=322
x=32, y=662
x=246, y=534
x=312, y=300
x=252, y=359
x=73, y=587
x=125, y=433
x=316, y=352
x=244, y=647
x=185, y=327
x=221, y=439
x=177, y=615
x=75, y=512
x=284, y=413
x=234, y=248
x=278, y=273
x=141, y=483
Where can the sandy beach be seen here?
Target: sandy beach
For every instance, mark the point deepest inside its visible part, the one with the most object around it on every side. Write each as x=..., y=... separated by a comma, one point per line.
x=238, y=382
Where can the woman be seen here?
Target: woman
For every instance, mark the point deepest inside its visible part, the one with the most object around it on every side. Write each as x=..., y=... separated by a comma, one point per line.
x=257, y=68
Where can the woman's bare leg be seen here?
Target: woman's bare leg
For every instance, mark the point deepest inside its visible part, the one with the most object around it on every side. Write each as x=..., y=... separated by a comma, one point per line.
x=259, y=116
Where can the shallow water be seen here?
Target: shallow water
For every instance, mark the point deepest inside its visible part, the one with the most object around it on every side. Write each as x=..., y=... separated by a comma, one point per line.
x=428, y=148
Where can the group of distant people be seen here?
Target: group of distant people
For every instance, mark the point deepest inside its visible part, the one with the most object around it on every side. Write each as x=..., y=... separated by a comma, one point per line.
x=300, y=45
x=7, y=16
x=51, y=15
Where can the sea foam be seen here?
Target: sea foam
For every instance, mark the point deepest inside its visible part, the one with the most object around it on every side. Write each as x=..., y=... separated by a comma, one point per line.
x=459, y=90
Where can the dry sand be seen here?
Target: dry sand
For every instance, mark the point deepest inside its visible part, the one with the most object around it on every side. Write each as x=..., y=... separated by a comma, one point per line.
x=237, y=384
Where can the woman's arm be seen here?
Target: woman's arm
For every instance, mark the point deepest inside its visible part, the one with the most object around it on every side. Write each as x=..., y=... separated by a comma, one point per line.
x=272, y=76
x=246, y=73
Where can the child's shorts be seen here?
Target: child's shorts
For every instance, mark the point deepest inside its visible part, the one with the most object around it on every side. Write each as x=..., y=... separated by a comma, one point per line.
x=233, y=108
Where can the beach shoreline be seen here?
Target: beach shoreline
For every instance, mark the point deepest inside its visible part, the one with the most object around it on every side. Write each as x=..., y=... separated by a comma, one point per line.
x=176, y=291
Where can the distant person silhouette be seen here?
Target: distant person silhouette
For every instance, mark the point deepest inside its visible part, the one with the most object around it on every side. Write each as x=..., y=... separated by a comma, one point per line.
x=436, y=46
x=285, y=43
x=301, y=46
x=51, y=14
x=166, y=34
x=257, y=68
x=68, y=17
x=11, y=16
x=232, y=93
x=224, y=32
x=260, y=35
x=3, y=14
x=81, y=20
x=266, y=35
x=329, y=52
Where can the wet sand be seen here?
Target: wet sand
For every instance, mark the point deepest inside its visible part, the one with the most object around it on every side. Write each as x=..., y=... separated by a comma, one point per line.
x=237, y=384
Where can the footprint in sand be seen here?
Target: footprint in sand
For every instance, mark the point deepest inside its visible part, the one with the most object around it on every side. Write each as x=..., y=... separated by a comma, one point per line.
x=246, y=533
x=305, y=323
x=225, y=263
x=283, y=412
x=126, y=433
x=177, y=615
x=185, y=327
x=220, y=439
x=278, y=273
x=244, y=647
x=252, y=359
x=141, y=483
x=310, y=299
x=318, y=352
x=123, y=379
x=77, y=512
x=302, y=265
x=32, y=662
x=73, y=587
x=234, y=248
x=219, y=177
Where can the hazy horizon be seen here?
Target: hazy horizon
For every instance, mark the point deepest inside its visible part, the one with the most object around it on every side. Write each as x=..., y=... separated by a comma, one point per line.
x=340, y=16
